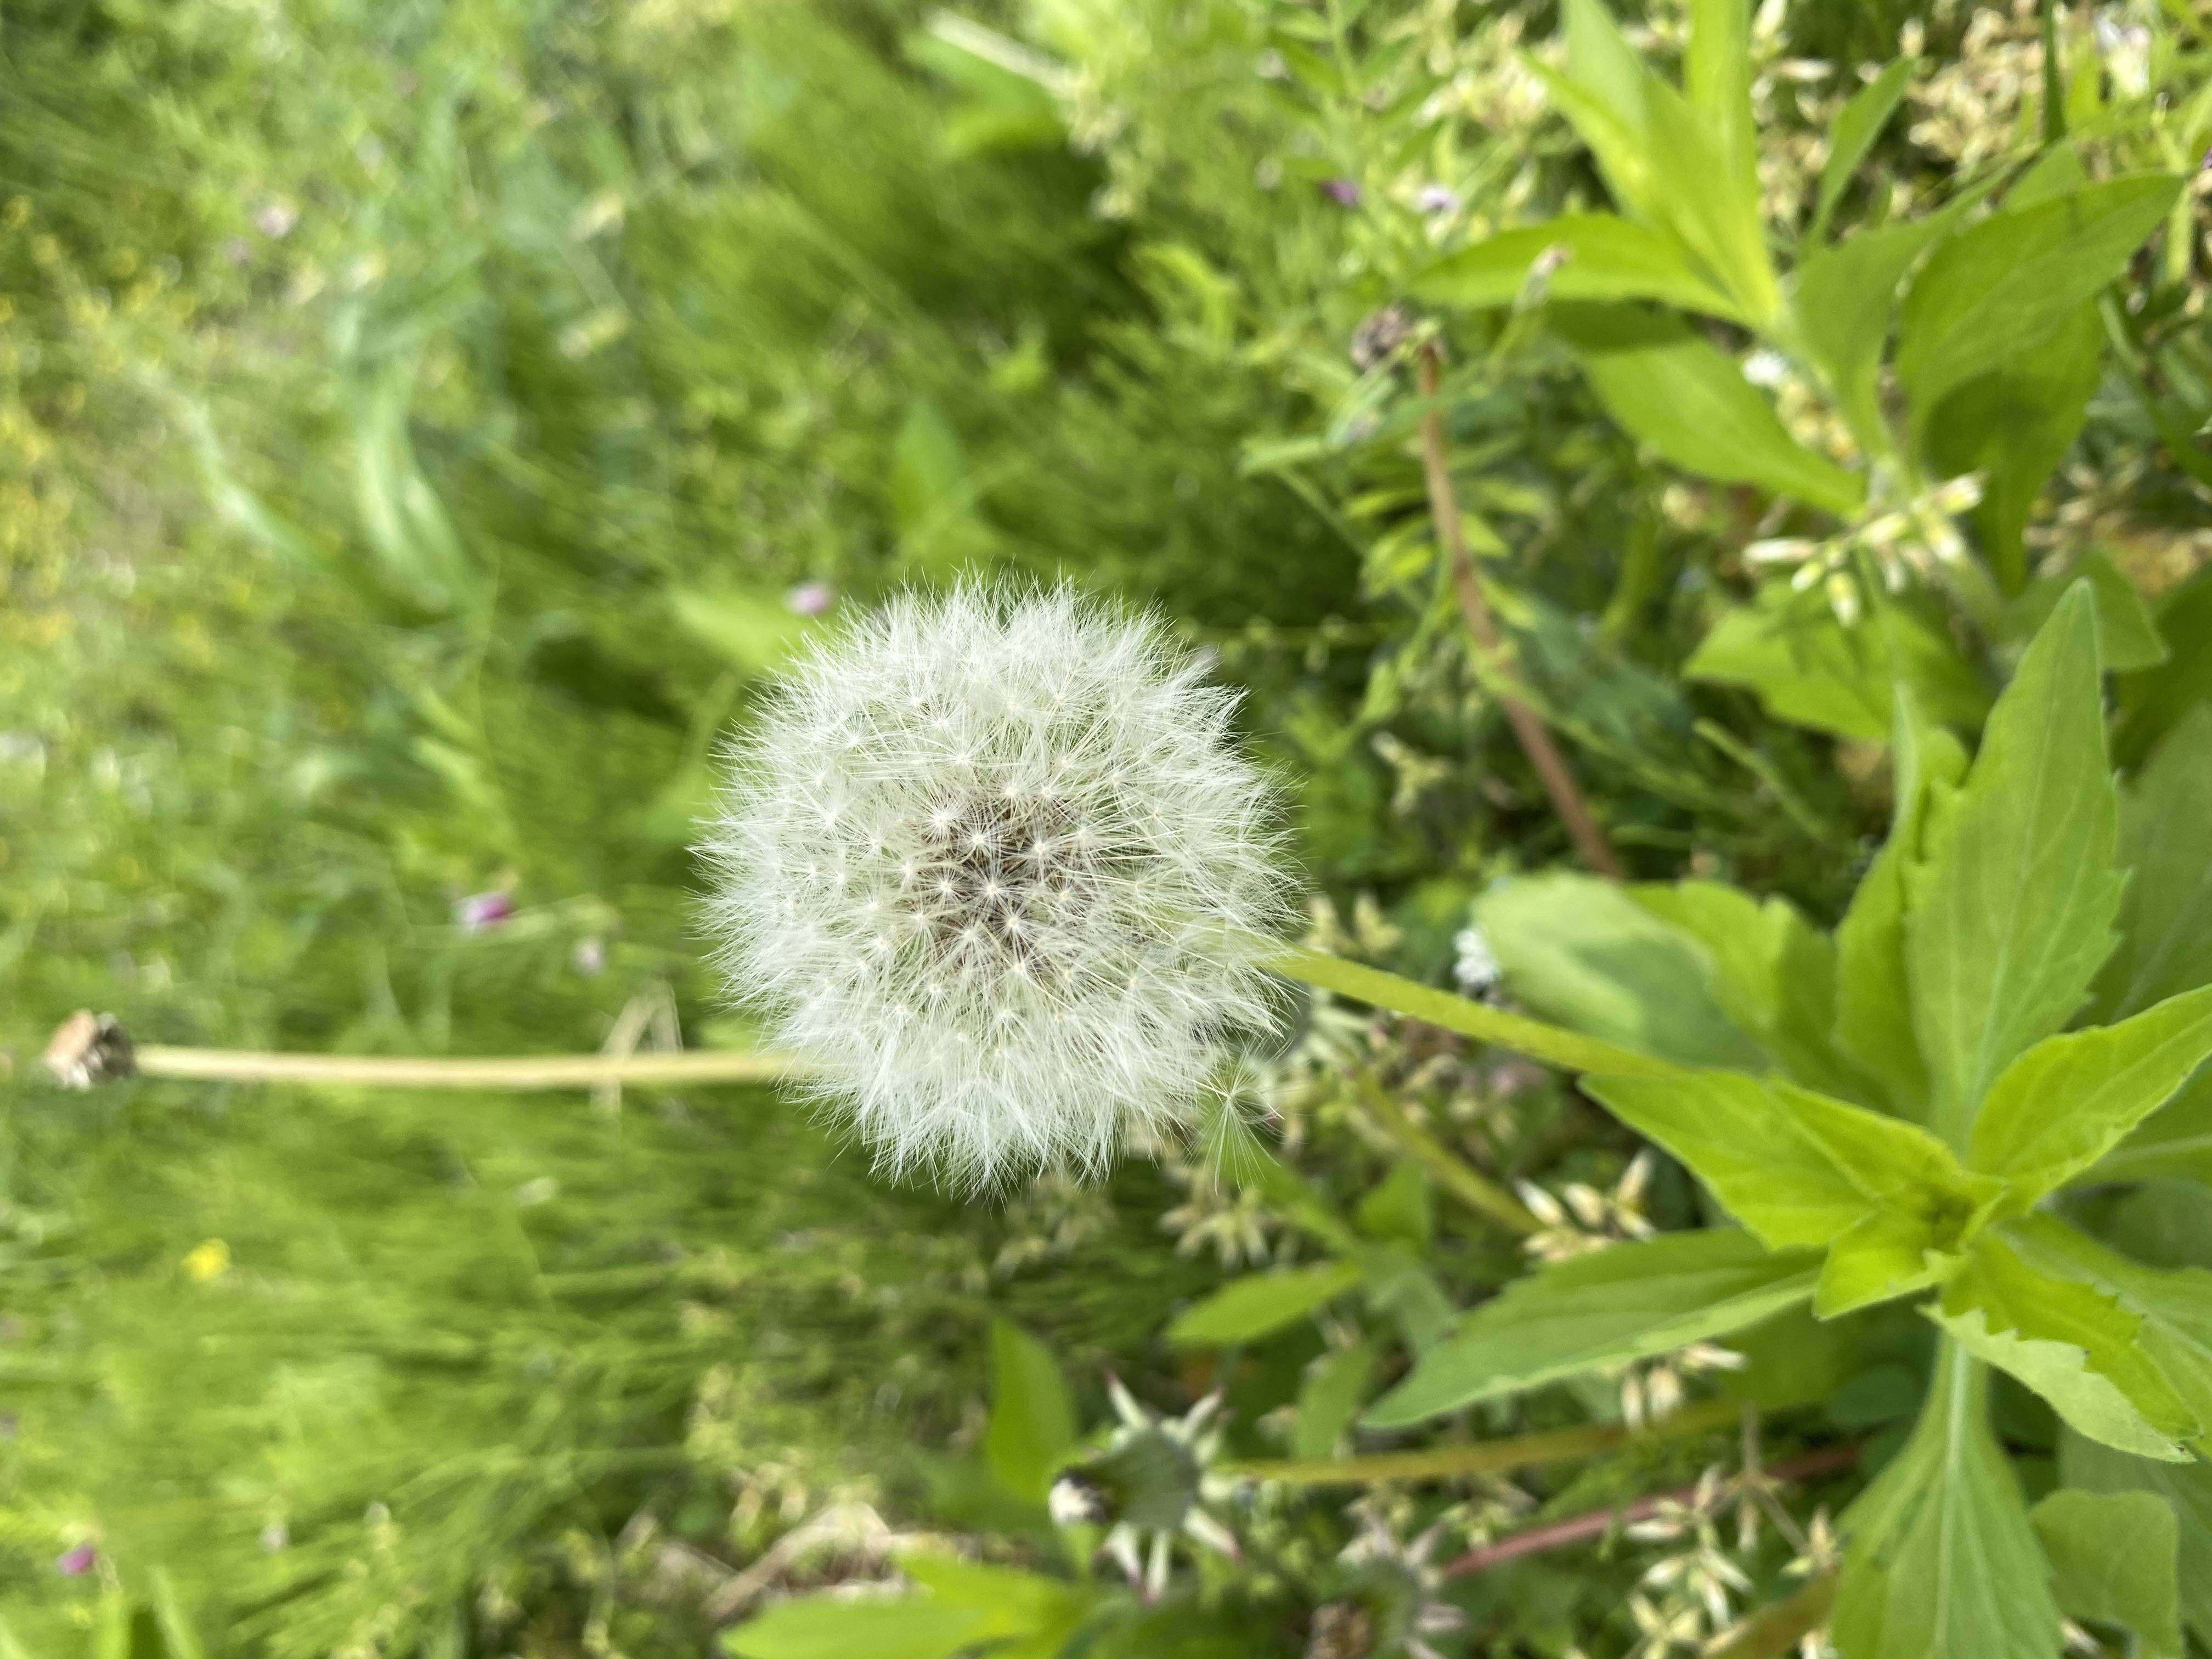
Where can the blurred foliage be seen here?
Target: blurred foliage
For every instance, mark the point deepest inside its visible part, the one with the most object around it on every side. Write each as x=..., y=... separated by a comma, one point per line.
x=420, y=425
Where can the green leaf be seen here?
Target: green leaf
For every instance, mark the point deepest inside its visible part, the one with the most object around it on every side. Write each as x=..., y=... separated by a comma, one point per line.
x=1943, y=1561
x=2187, y=1491
x=1023, y=1615
x=755, y=631
x=1737, y=1136
x=2166, y=844
x=2070, y=1099
x=2174, y=1143
x=1402, y=1207
x=838, y=1627
x=2114, y=1560
x=2005, y=285
x=2127, y=636
x=1873, y=1005
x=1673, y=389
x=2174, y=1304
x=1329, y=1398
x=2154, y=700
x=1809, y=668
x=2071, y=1343
x=1844, y=298
x=1401, y=1288
x=2009, y=914
x=1626, y=1303
x=1856, y=125
x=1887, y=1255
x=1258, y=1304
x=1606, y=258
x=1585, y=953
x=1032, y=1415
x=2013, y=422
x=1717, y=76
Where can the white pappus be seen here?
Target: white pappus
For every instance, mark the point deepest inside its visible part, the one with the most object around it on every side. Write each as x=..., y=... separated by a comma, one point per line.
x=994, y=868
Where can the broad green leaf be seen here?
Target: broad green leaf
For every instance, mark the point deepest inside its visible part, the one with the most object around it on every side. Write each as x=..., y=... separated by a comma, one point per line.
x=839, y=1627
x=1626, y=1303
x=1675, y=392
x=1401, y=1288
x=1736, y=1135
x=1024, y=1615
x=2174, y=1304
x=1887, y=1255
x=1258, y=1304
x=2166, y=844
x=1605, y=257
x=1773, y=974
x=2186, y=1488
x=2071, y=1343
x=1844, y=299
x=2173, y=1145
x=1809, y=668
x=2013, y=422
x=1894, y=1163
x=1585, y=953
x=1402, y=1207
x=1856, y=125
x=2114, y=1561
x=2127, y=634
x=755, y=631
x=1716, y=76
x=2004, y=286
x=2070, y=1099
x=2008, y=914
x=1874, y=1004
x=1942, y=1562
x=1032, y=1415
x=1329, y=1398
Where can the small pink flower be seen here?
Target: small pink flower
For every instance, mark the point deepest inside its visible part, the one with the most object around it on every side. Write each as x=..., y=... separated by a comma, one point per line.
x=77, y=1562
x=480, y=912
x=1343, y=191
x=1437, y=199
x=811, y=598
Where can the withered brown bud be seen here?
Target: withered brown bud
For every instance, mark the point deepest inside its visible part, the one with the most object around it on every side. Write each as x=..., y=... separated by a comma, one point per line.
x=1340, y=1629
x=89, y=1049
x=1382, y=336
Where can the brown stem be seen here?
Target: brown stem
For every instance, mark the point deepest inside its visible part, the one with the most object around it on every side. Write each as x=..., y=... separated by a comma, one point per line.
x=1520, y=1451
x=1597, y=1523
x=1535, y=738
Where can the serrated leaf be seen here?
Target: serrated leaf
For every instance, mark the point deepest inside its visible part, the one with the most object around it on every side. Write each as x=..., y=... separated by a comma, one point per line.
x=2175, y=1144
x=2127, y=636
x=2114, y=1560
x=1583, y=953
x=1851, y=135
x=1626, y=1303
x=1675, y=392
x=1943, y=1561
x=2186, y=1488
x=2070, y=1099
x=1606, y=258
x=1245, y=1310
x=2071, y=1343
x=2174, y=1304
x=1874, y=1002
x=2166, y=844
x=1023, y=1615
x=1887, y=1255
x=1032, y=1417
x=2006, y=284
x=2010, y=913
x=1736, y=1136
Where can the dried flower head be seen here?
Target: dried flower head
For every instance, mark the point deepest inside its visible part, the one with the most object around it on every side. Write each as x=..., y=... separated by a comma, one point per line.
x=994, y=868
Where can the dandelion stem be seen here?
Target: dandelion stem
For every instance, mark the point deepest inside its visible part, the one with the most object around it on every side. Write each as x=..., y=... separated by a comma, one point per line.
x=1568, y=1050
x=1457, y=1176
x=1485, y=1456
x=1529, y=727
x=702, y=1065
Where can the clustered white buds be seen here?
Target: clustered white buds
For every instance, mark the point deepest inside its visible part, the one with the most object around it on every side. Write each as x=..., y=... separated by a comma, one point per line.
x=994, y=868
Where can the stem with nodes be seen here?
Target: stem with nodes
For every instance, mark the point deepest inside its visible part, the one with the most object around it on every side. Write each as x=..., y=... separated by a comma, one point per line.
x=1529, y=727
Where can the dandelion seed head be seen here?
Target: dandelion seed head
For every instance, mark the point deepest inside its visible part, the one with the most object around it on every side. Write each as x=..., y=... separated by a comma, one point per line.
x=995, y=866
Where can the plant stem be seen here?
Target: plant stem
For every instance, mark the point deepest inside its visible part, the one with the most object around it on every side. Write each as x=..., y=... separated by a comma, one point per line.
x=1485, y=1456
x=1774, y=1631
x=1597, y=1523
x=1568, y=1050
x=1457, y=1176
x=1535, y=738
x=698, y=1065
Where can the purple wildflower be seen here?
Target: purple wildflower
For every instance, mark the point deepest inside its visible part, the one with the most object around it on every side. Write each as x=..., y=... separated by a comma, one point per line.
x=1345, y=193
x=75, y=1563
x=811, y=598
x=482, y=911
